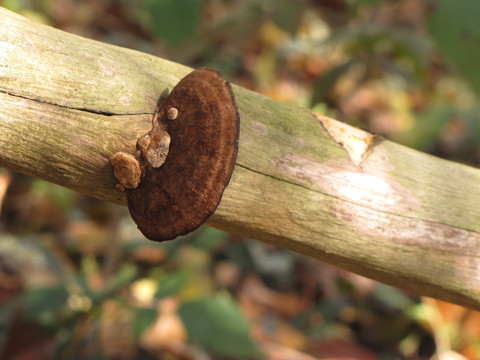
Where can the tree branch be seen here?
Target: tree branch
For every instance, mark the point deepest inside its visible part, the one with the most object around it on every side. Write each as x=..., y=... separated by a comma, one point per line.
x=301, y=181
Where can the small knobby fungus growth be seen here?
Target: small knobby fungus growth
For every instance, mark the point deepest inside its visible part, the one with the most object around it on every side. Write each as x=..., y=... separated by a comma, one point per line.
x=175, y=179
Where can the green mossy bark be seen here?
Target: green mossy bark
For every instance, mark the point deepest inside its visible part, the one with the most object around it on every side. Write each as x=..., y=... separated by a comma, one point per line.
x=402, y=217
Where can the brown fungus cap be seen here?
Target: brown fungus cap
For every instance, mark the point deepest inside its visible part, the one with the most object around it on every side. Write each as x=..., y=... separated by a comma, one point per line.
x=177, y=197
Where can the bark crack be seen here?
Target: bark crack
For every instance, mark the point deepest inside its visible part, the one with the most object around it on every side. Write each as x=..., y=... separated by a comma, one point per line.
x=84, y=109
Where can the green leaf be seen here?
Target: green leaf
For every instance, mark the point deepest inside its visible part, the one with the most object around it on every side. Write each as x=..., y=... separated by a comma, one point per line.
x=43, y=304
x=455, y=28
x=8, y=311
x=325, y=83
x=171, y=284
x=144, y=317
x=287, y=14
x=211, y=238
x=426, y=130
x=124, y=276
x=392, y=297
x=82, y=282
x=218, y=324
x=174, y=20
x=62, y=197
x=366, y=2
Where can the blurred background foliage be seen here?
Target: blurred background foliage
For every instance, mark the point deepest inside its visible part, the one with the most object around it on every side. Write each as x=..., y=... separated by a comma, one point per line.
x=77, y=279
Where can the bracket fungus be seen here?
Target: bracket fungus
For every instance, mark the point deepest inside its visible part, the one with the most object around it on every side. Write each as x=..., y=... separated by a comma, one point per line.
x=183, y=164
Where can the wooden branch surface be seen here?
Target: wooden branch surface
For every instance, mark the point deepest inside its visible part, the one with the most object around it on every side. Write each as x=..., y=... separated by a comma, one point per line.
x=301, y=181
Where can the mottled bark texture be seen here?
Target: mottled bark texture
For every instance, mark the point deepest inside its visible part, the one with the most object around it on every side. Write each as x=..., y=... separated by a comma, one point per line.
x=301, y=181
